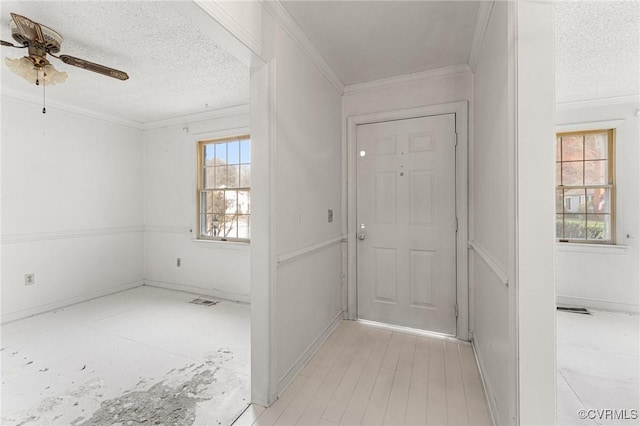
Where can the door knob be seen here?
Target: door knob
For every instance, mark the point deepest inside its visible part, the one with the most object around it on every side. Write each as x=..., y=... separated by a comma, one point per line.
x=362, y=236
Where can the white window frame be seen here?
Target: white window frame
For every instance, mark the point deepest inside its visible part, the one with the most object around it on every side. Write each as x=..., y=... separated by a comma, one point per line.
x=241, y=134
x=587, y=127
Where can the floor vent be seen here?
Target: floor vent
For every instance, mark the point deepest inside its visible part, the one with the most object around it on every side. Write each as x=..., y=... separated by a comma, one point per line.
x=582, y=311
x=204, y=302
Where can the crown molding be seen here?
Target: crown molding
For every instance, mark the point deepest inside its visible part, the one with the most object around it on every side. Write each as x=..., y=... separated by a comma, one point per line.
x=201, y=116
x=482, y=22
x=291, y=27
x=185, y=119
x=594, y=103
x=36, y=100
x=229, y=23
x=407, y=79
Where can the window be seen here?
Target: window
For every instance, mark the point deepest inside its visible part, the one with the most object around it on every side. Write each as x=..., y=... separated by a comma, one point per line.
x=224, y=189
x=585, y=190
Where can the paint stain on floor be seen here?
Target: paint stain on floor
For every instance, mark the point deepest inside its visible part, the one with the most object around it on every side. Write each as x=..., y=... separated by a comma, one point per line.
x=104, y=363
x=160, y=404
x=172, y=401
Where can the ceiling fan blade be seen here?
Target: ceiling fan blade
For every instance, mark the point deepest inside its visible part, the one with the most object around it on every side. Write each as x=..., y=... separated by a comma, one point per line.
x=6, y=43
x=29, y=29
x=100, y=69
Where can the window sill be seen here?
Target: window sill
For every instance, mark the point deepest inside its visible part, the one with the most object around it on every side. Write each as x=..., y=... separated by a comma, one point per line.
x=217, y=244
x=591, y=248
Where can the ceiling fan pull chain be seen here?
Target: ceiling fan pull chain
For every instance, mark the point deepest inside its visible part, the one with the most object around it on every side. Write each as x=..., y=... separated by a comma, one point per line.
x=44, y=98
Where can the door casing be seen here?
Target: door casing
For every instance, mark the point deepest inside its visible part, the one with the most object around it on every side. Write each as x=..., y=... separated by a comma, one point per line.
x=460, y=109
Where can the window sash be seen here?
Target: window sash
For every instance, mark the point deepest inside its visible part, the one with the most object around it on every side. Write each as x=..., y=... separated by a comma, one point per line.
x=563, y=216
x=223, y=211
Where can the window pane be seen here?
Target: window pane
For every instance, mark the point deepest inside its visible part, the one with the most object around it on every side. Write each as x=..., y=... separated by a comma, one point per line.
x=575, y=226
x=559, y=225
x=595, y=172
x=208, y=177
x=234, y=153
x=209, y=154
x=572, y=173
x=599, y=227
x=231, y=200
x=243, y=226
x=218, y=225
x=598, y=200
x=218, y=202
x=234, y=174
x=210, y=225
x=222, y=225
x=244, y=202
x=221, y=177
x=572, y=148
x=574, y=201
x=595, y=146
x=224, y=210
x=245, y=176
x=230, y=227
x=221, y=153
x=245, y=151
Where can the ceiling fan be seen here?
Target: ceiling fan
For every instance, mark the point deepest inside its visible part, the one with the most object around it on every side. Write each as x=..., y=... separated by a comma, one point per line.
x=41, y=41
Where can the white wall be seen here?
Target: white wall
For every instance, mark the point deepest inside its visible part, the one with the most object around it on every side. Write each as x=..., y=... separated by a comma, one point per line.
x=511, y=265
x=296, y=116
x=307, y=183
x=71, y=208
x=213, y=268
x=492, y=222
x=606, y=277
x=415, y=90
x=535, y=231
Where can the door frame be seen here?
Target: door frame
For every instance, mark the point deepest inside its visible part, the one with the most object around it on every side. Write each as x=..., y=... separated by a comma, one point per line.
x=460, y=109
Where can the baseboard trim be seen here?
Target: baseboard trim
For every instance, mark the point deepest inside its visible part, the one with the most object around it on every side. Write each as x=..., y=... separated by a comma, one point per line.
x=48, y=307
x=599, y=305
x=218, y=294
x=286, y=380
x=480, y=365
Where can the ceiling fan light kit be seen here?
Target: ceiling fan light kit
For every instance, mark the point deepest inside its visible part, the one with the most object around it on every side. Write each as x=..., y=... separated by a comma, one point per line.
x=41, y=41
x=25, y=68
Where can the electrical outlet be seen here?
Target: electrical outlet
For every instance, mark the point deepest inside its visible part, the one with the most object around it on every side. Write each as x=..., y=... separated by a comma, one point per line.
x=29, y=279
x=178, y=262
x=330, y=216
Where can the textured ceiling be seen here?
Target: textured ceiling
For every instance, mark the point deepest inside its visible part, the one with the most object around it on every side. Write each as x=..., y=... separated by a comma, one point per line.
x=597, y=49
x=174, y=68
x=369, y=40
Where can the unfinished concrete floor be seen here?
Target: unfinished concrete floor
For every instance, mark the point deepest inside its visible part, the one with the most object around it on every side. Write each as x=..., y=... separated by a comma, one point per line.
x=143, y=356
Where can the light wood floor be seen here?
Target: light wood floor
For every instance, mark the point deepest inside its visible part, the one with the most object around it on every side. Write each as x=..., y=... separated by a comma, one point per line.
x=364, y=375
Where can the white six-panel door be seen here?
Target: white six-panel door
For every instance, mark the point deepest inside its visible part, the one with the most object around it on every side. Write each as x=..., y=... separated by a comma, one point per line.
x=406, y=249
